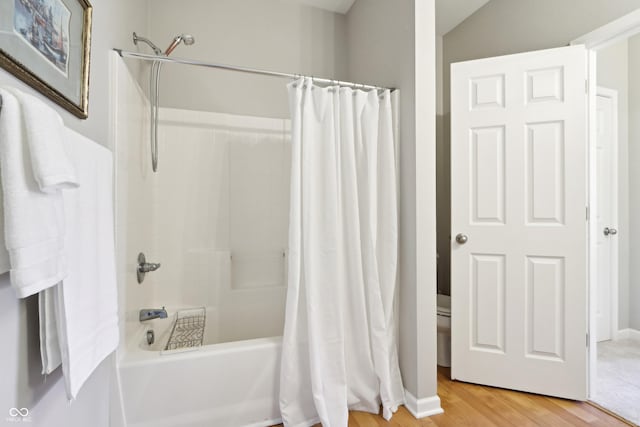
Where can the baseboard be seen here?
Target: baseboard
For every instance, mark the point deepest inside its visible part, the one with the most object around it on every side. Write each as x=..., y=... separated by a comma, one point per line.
x=424, y=407
x=629, y=334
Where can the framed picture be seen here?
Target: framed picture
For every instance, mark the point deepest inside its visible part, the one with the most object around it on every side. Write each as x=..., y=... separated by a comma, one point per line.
x=46, y=44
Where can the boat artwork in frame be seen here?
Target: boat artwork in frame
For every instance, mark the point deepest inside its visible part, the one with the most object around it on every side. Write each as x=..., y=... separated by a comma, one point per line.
x=46, y=44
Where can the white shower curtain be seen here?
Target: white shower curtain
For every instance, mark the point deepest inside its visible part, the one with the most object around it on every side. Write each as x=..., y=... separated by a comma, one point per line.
x=339, y=348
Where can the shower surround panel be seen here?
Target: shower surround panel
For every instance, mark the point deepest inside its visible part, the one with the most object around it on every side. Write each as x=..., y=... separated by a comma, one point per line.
x=221, y=203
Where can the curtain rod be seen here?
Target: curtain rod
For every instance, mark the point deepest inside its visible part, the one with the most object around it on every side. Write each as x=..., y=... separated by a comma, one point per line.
x=147, y=57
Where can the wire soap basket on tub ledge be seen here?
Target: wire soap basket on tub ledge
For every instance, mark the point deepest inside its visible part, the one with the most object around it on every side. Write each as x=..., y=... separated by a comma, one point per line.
x=188, y=329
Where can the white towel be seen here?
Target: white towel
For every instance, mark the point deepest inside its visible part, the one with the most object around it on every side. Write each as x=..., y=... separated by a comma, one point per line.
x=5, y=262
x=78, y=316
x=50, y=164
x=10, y=127
x=34, y=224
x=49, y=343
x=86, y=301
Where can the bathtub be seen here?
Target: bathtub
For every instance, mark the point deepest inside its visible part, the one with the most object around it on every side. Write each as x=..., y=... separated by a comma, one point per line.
x=228, y=385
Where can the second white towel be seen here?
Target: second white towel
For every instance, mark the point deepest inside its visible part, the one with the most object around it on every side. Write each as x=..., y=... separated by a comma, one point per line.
x=79, y=316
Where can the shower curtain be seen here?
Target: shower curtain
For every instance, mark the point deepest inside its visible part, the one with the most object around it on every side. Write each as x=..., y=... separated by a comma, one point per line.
x=339, y=348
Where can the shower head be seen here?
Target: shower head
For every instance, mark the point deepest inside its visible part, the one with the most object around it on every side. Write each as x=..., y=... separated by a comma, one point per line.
x=137, y=38
x=187, y=39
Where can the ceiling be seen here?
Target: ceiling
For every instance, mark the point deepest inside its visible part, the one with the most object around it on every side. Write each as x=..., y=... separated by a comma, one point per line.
x=449, y=13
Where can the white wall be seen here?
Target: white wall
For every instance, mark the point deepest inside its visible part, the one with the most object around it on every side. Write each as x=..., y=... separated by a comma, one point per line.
x=393, y=44
x=22, y=384
x=506, y=26
x=634, y=178
x=274, y=35
x=613, y=73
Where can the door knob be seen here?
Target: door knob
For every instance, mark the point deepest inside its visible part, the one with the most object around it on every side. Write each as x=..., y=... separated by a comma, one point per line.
x=611, y=231
x=462, y=238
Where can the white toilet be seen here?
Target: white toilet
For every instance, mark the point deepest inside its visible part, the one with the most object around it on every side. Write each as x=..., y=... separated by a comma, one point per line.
x=444, y=330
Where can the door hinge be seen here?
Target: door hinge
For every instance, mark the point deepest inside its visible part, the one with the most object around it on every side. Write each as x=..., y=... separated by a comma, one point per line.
x=586, y=86
x=587, y=340
x=587, y=212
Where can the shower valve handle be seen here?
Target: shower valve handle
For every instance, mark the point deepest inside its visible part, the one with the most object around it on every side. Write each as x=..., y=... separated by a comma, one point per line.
x=145, y=267
x=148, y=266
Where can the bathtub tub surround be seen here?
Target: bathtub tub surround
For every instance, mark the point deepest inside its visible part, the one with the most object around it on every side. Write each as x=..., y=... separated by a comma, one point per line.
x=65, y=220
x=339, y=348
x=215, y=215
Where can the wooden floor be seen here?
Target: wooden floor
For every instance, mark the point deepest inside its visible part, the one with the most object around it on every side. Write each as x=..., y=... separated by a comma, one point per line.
x=473, y=405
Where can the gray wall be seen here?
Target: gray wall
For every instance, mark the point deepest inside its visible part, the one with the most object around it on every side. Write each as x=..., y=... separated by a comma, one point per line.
x=634, y=179
x=273, y=35
x=503, y=27
x=613, y=73
x=393, y=44
x=22, y=385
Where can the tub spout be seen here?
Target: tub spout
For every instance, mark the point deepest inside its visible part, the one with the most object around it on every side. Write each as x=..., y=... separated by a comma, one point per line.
x=153, y=313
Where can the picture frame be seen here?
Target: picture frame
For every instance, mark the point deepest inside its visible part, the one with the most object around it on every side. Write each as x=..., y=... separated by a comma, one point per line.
x=47, y=45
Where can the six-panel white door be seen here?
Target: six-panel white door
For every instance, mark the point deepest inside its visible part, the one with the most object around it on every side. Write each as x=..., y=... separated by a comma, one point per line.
x=519, y=250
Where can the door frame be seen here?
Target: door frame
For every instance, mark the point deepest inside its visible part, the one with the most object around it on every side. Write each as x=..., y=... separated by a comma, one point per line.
x=611, y=33
x=614, y=273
